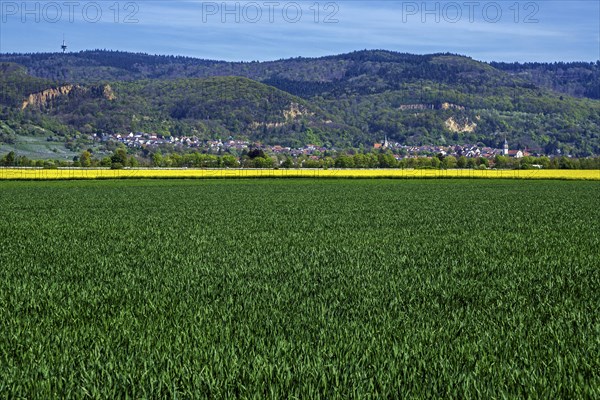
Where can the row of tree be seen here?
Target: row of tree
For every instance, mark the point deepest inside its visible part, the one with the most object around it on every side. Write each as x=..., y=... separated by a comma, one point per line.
x=259, y=159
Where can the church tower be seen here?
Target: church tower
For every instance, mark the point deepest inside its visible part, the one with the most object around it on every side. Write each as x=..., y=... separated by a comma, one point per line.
x=505, y=149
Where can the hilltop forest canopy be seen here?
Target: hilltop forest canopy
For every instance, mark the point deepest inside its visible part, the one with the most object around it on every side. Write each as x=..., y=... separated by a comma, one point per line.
x=347, y=100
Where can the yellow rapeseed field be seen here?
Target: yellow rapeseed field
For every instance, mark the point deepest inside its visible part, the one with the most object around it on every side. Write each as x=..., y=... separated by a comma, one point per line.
x=87, y=173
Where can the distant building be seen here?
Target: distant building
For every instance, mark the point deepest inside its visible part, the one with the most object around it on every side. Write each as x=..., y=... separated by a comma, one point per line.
x=516, y=153
x=383, y=145
x=505, y=148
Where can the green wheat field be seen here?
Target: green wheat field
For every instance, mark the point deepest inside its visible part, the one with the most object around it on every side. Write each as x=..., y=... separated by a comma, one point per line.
x=300, y=289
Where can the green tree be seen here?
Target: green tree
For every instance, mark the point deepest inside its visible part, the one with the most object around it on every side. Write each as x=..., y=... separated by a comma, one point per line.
x=310, y=163
x=157, y=159
x=328, y=162
x=501, y=162
x=9, y=159
x=566, y=163
x=85, y=159
x=263, y=162
x=119, y=157
x=255, y=153
x=229, y=161
x=344, y=161
x=449, y=162
x=105, y=162
x=311, y=138
x=387, y=161
x=526, y=162
x=24, y=161
x=544, y=162
x=360, y=161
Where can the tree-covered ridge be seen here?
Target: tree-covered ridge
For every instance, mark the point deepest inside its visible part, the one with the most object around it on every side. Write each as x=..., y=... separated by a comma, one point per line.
x=351, y=99
x=205, y=108
x=16, y=84
x=222, y=105
x=579, y=79
x=529, y=118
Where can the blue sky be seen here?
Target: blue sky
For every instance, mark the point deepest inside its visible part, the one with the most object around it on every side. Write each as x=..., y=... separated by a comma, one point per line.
x=267, y=30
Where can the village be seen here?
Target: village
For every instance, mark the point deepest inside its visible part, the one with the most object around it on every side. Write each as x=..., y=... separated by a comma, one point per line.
x=237, y=146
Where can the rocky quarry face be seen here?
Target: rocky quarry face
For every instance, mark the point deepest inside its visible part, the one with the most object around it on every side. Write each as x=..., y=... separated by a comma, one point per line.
x=455, y=126
x=44, y=98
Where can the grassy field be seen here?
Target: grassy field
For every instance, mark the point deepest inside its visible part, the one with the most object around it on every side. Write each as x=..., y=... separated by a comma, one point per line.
x=86, y=173
x=38, y=148
x=300, y=289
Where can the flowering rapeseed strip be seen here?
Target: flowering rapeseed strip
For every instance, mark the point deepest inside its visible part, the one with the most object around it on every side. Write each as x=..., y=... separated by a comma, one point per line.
x=86, y=173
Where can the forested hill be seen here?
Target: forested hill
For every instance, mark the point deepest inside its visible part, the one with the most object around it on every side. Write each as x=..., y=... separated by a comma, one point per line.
x=578, y=79
x=201, y=107
x=344, y=100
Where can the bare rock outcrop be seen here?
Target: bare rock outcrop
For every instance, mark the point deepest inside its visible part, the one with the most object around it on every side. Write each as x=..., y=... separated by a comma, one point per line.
x=44, y=98
x=456, y=126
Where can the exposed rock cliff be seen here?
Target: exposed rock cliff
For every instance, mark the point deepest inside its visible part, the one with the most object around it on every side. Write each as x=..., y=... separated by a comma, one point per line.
x=456, y=126
x=291, y=114
x=295, y=111
x=446, y=106
x=405, y=107
x=43, y=98
x=442, y=106
x=107, y=92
